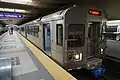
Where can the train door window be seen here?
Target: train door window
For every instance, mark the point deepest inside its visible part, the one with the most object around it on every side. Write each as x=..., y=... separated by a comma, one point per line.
x=59, y=32
x=47, y=38
x=94, y=35
x=94, y=30
x=76, y=34
x=22, y=29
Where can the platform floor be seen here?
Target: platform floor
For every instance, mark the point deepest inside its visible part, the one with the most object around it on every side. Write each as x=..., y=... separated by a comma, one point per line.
x=28, y=62
x=25, y=64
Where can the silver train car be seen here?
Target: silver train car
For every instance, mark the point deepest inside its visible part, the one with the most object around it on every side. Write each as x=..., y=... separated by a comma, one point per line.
x=72, y=37
x=112, y=30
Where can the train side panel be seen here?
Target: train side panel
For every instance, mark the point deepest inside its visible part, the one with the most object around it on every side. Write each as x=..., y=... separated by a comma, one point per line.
x=37, y=40
x=56, y=50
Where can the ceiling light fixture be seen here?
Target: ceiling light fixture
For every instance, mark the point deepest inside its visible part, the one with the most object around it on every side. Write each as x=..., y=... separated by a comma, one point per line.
x=21, y=11
x=1, y=9
x=13, y=10
x=17, y=1
x=9, y=10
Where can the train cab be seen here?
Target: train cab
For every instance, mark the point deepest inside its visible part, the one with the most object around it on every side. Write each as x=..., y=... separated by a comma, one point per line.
x=84, y=41
x=76, y=37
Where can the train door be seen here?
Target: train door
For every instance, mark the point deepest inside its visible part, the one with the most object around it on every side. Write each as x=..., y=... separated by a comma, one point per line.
x=26, y=30
x=47, y=39
x=93, y=38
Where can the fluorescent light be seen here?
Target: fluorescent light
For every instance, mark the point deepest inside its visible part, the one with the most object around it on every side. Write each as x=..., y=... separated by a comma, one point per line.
x=13, y=10
x=1, y=9
x=20, y=10
x=9, y=10
x=17, y=1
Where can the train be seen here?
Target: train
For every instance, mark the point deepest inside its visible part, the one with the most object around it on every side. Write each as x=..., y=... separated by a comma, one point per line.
x=73, y=37
x=112, y=30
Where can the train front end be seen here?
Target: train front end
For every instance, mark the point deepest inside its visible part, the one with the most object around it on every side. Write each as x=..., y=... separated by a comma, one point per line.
x=84, y=43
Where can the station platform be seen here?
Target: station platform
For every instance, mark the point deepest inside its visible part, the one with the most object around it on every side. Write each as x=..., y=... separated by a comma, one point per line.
x=28, y=62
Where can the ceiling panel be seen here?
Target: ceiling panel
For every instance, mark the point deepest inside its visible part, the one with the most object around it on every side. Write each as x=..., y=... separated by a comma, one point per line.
x=32, y=9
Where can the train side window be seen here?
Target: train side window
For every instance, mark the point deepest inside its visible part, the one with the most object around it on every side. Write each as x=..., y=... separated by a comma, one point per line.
x=36, y=30
x=22, y=29
x=59, y=33
x=28, y=30
x=32, y=30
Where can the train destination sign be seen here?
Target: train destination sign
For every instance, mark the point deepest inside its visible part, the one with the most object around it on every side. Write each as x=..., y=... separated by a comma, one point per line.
x=11, y=16
x=95, y=12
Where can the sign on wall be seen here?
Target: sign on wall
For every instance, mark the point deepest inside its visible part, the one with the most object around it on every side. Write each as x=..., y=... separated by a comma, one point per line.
x=11, y=16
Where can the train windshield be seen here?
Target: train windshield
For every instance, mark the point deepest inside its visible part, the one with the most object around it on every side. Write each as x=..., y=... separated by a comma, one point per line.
x=76, y=33
x=111, y=29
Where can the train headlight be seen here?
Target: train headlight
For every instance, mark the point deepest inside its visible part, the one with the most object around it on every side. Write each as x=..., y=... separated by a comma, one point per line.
x=80, y=56
x=77, y=56
x=102, y=51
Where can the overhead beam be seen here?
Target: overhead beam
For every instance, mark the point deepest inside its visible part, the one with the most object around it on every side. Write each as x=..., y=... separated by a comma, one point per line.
x=22, y=6
x=56, y=1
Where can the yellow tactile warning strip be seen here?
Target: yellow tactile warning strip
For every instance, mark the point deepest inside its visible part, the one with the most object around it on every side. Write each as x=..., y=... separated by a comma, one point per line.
x=54, y=69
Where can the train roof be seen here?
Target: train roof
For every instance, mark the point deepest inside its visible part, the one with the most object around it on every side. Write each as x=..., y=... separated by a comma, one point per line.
x=54, y=16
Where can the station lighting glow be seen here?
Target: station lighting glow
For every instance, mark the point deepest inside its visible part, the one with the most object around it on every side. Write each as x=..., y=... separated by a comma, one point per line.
x=8, y=10
x=13, y=10
x=17, y=1
x=20, y=10
x=2, y=9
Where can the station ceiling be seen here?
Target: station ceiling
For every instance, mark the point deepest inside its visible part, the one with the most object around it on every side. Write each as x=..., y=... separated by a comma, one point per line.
x=32, y=9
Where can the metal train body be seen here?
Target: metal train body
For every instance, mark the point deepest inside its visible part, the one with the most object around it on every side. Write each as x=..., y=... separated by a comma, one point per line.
x=72, y=37
x=112, y=30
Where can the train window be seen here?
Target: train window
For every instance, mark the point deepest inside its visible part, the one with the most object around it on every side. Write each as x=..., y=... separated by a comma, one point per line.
x=32, y=30
x=94, y=30
x=22, y=29
x=36, y=30
x=76, y=33
x=59, y=32
x=28, y=30
x=112, y=26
